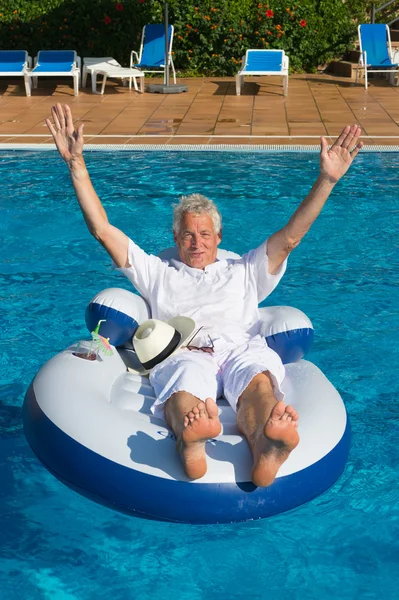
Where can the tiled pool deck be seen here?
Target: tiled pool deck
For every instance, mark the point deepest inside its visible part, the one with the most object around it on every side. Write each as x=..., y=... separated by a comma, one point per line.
x=210, y=113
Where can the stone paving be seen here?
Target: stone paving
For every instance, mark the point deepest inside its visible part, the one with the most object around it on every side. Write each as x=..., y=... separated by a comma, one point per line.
x=209, y=113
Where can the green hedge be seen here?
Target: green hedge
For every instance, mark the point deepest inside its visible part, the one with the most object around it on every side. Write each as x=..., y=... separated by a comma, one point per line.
x=210, y=35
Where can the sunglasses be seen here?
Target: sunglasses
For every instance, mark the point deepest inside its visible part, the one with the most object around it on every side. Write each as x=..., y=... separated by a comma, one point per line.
x=207, y=349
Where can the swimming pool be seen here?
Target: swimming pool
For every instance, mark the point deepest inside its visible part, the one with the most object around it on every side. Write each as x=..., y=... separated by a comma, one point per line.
x=59, y=545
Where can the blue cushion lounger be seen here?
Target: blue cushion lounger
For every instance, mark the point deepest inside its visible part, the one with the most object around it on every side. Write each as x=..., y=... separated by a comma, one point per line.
x=14, y=63
x=263, y=62
x=54, y=63
x=375, y=50
x=152, y=50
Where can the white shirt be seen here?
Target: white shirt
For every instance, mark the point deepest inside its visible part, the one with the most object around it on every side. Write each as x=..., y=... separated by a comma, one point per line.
x=223, y=298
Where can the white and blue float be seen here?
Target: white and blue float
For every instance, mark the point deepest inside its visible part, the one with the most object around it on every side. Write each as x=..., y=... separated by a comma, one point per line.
x=90, y=424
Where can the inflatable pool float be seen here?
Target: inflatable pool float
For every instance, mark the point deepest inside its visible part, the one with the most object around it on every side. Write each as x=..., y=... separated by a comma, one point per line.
x=89, y=422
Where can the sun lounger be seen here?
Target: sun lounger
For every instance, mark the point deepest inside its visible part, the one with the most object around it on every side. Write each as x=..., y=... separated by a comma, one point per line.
x=263, y=62
x=14, y=63
x=375, y=51
x=54, y=63
x=151, y=58
x=120, y=73
x=92, y=64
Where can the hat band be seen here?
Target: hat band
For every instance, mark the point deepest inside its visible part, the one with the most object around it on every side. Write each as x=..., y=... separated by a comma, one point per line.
x=165, y=353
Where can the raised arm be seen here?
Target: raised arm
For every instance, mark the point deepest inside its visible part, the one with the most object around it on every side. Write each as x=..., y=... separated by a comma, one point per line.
x=334, y=163
x=69, y=143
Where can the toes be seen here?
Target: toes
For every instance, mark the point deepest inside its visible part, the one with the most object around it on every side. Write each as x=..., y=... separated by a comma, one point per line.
x=291, y=412
x=284, y=413
x=190, y=416
x=278, y=410
x=211, y=408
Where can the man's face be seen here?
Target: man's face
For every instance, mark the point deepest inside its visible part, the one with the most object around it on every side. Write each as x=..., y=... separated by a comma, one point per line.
x=197, y=240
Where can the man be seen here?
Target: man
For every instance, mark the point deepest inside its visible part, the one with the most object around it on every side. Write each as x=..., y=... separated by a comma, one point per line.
x=222, y=297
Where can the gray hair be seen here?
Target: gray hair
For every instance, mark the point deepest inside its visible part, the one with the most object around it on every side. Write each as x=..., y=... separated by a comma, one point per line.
x=198, y=205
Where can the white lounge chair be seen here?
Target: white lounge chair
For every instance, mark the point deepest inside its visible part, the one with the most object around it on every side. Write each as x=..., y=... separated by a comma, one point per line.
x=92, y=64
x=118, y=73
x=14, y=63
x=151, y=58
x=54, y=63
x=263, y=62
x=375, y=51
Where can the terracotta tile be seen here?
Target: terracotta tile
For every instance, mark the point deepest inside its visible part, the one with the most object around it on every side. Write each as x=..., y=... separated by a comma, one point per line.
x=27, y=140
x=215, y=140
x=383, y=141
x=194, y=141
x=107, y=140
x=270, y=131
x=150, y=141
x=315, y=104
x=306, y=141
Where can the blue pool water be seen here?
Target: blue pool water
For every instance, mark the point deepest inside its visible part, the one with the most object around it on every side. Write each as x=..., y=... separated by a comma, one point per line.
x=58, y=545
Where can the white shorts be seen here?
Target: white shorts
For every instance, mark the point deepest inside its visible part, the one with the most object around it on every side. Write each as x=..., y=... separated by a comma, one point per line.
x=223, y=373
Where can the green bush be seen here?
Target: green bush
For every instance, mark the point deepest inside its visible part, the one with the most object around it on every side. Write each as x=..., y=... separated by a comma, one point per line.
x=211, y=36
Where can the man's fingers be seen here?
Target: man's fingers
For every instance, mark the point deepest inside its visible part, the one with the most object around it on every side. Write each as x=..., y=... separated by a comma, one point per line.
x=51, y=127
x=351, y=138
x=324, y=146
x=341, y=138
x=68, y=118
x=80, y=132
x=54, y=114
x=356, y=135
x=61, y=116
x=355, y=150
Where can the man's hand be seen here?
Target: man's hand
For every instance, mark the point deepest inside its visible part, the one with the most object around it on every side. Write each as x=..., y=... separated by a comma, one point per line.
x=69, y=141
x=335, y=162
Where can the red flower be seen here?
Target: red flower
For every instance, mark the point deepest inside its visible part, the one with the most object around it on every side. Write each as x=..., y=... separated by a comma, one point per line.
x=119, y=6
x=107, y=20
x=269, y=14
x=141, y=1
x=302, y=23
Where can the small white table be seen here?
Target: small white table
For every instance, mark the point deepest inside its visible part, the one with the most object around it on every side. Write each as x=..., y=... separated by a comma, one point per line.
x=120, y=73
x=93, y=63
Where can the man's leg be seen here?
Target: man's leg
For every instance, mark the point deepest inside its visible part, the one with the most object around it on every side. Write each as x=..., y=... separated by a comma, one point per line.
x=193, y=422
x=269, y=426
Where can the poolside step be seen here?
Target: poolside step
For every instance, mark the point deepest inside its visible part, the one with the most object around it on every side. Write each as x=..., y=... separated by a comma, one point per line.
x=343, y=68
x=349, y=66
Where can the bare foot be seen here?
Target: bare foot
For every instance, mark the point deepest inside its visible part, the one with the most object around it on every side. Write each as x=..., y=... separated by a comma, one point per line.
x=200, y=424
x=279, y=438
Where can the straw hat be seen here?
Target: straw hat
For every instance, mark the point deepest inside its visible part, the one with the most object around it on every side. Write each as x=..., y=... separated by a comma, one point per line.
x=155, y=340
